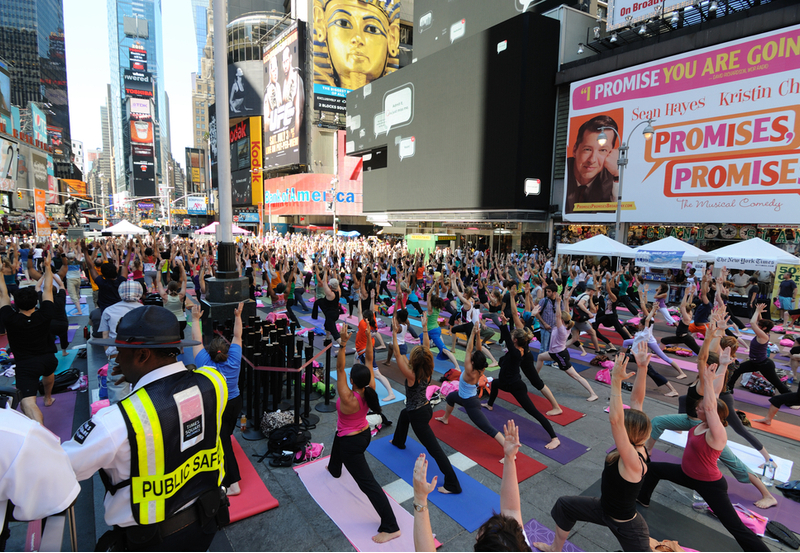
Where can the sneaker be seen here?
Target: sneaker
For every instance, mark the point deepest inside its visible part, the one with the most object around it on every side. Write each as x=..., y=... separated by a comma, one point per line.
x=700, y=507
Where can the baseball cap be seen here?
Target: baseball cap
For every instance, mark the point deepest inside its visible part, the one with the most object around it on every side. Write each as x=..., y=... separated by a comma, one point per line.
x=130, y=290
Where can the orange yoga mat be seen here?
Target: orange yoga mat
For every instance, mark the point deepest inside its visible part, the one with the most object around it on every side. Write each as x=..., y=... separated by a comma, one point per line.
x=484, y=450
x=255, y=497
x=568, y=416
x=779, y=428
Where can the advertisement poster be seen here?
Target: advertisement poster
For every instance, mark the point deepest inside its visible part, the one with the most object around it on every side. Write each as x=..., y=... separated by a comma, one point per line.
x=212, y=143
x=138, y=57
x=8, y=164
x=284, y=100
x=622, y=13
x=52, y=182
x=726, y=145
x=256, y=155
x=780, y=271
x=138, y=84
x=39, y=171
x=341, y=61
x=39, y=123
x=42, y=224
x=5, y=90
x=245, y=83
x=196, y=205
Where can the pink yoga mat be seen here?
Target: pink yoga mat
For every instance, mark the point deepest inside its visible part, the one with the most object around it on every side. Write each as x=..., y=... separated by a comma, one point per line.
x=350, y=509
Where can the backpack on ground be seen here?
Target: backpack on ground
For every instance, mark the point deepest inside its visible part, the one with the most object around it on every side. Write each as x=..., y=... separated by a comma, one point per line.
x=285, y=442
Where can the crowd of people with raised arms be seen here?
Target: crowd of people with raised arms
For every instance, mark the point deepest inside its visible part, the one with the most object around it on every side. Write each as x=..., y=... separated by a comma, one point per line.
x=541, y=308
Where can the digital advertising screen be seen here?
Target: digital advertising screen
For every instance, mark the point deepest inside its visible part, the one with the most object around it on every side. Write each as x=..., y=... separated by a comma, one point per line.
x=138, y=57
x=8, y=164
x=196, y=205
x=726, y=141
x=138, y=84
x=245, y=83
x=5, y=90
x=39, y=123
x=342, y=62
x=139, y=108
x=284, y=99
x=141, y=132
x=39, y=171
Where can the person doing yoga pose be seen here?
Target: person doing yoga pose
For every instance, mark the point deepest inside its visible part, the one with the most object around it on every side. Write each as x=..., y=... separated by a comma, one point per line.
x=624, y=470
x=682, y=334
x=353, y=436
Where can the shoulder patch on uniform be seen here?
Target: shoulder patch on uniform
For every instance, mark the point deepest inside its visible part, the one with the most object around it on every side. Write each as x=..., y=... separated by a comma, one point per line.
x=83, y=432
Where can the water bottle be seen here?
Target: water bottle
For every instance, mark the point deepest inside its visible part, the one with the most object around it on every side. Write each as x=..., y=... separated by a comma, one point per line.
x=765, y=478
x=243, y=423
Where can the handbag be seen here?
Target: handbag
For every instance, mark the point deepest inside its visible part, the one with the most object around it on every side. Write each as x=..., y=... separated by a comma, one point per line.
x=276, y=419
x=604, y=376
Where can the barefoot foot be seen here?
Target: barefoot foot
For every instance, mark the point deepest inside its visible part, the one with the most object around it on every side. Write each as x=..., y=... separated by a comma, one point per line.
x=234, y=489
x=442, y=490
x=543, y=546
x=592, y=397
x=554, y=412
x=442, y=420
x=766, y=502
x=763, y=421
x=387, y=363
x=50, y=402
x=388, y=398
x=671, y=394
x=554, y=443
x=383, y=537
x=681, y=375
x=487, y=406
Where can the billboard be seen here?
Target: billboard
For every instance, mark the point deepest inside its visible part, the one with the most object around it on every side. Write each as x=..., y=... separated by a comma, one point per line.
x=726, y=145
x=138, y=58
x=75, y=188
x=5, y=90
x=622, y=13
x=39, y=123
x=355, y=42
x=143, y=170
x=39, y=171
x=141, y=132
x=8, y=164
x=245, y=83
x=212, y=143
x=52, y=182
x=256, y=155
x=196, y=205
x=138, y=84
x=284, y=99
x=241, y=191
x=42, y=224
x=139, y=108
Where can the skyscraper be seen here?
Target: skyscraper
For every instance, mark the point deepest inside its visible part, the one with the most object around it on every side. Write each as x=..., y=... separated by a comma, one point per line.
x=32, y=40
x=203, y=84
x=139, y=138
x=200, y=16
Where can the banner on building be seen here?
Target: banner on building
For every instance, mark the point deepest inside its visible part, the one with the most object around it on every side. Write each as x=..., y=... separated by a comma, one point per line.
x=659, y=260
x=5, y=90
x=196, y=205
x=39, y=123
x=284, y=99
x=726, y=144
x=39, y=163
x=336, y=68
x=256, y=156
x=8, y=164
x=780, y=271
x=138, y=84
x=623, y=13
x=42, y=224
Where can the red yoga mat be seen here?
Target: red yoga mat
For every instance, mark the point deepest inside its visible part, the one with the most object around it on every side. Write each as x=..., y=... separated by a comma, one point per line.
x=255, y=497
x=779, y=428
x=568, y=416
x=479, y=447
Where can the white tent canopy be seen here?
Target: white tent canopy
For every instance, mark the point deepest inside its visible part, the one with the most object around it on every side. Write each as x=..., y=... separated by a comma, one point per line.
x=672, y=244
x=124, y=227
x=596, y=245
x=212, y=229
x=753, y=254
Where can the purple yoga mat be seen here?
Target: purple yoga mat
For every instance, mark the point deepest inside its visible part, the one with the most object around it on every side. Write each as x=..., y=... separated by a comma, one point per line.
x=536, y=531
x=82, y=300
x=762, y=401
x=58, y=417
x=534, y=436
x=70, y=333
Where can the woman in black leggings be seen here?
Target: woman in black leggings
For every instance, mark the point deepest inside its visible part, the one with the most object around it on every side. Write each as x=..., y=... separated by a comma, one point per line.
x=418, y=411
x=759, y=354
x=509, y=379
x=682, y=334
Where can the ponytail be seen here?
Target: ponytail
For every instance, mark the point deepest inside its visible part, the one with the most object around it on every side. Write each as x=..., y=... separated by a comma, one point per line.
x=373, y=402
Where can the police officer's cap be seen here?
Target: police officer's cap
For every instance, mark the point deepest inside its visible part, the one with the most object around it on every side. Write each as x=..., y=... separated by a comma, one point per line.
x=148, y=327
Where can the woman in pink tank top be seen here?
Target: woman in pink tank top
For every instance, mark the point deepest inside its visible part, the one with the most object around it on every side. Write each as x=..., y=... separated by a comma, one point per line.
x=698, y=469
x=353, y=436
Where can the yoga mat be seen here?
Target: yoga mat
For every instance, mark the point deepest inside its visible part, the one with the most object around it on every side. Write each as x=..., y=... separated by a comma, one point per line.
x=480, y=447
x=777, y=427
x=72, y=311
x=786, y=511
x=255, y=497
x=82, y=300
x=65, y=361
x=59, y=416
x=73, y=328
x=534, y=436
x=379, y=388
x=747, y=454
x=740, y=394
x=537, y=531
x=568, y=416
x=350, y=509
x=682, y=363
x=667, y=524
x=482, y=501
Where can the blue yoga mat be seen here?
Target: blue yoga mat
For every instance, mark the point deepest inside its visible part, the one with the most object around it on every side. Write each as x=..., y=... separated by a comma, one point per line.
x=533, y=435
x=471, y=508
x=382, y=392
x=414, y=321
x=65, y=361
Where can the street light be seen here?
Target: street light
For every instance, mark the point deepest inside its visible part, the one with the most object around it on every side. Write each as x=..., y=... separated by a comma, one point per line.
x=622, y=161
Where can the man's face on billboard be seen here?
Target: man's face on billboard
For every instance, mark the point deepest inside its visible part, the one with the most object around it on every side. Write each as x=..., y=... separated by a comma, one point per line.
x=358, y=41
x=273, y=69
x=590, y=157
x=287, y=62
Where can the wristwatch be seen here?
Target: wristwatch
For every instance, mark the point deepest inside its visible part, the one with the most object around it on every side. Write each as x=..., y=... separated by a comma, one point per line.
x=419, y=508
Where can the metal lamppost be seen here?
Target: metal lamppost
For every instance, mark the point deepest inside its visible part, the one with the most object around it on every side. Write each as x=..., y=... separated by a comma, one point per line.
x=622, y=161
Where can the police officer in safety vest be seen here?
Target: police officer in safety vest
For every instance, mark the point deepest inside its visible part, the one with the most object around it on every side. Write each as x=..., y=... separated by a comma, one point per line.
x=158, y=450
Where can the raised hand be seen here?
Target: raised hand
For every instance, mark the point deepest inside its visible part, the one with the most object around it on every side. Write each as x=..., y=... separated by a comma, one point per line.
x=620, y=365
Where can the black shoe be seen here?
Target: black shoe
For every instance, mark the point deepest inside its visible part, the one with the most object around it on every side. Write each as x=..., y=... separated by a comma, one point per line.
x=385, y=423
x=783, y=534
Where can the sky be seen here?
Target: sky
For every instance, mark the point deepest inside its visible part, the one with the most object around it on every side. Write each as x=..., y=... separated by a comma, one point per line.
x=86, y=35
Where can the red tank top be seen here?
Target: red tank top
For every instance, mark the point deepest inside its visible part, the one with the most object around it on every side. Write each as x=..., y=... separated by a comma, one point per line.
x=700, y=459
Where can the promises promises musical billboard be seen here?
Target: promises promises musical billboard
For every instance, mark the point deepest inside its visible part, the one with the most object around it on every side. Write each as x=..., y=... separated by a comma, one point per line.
x=726, y=145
